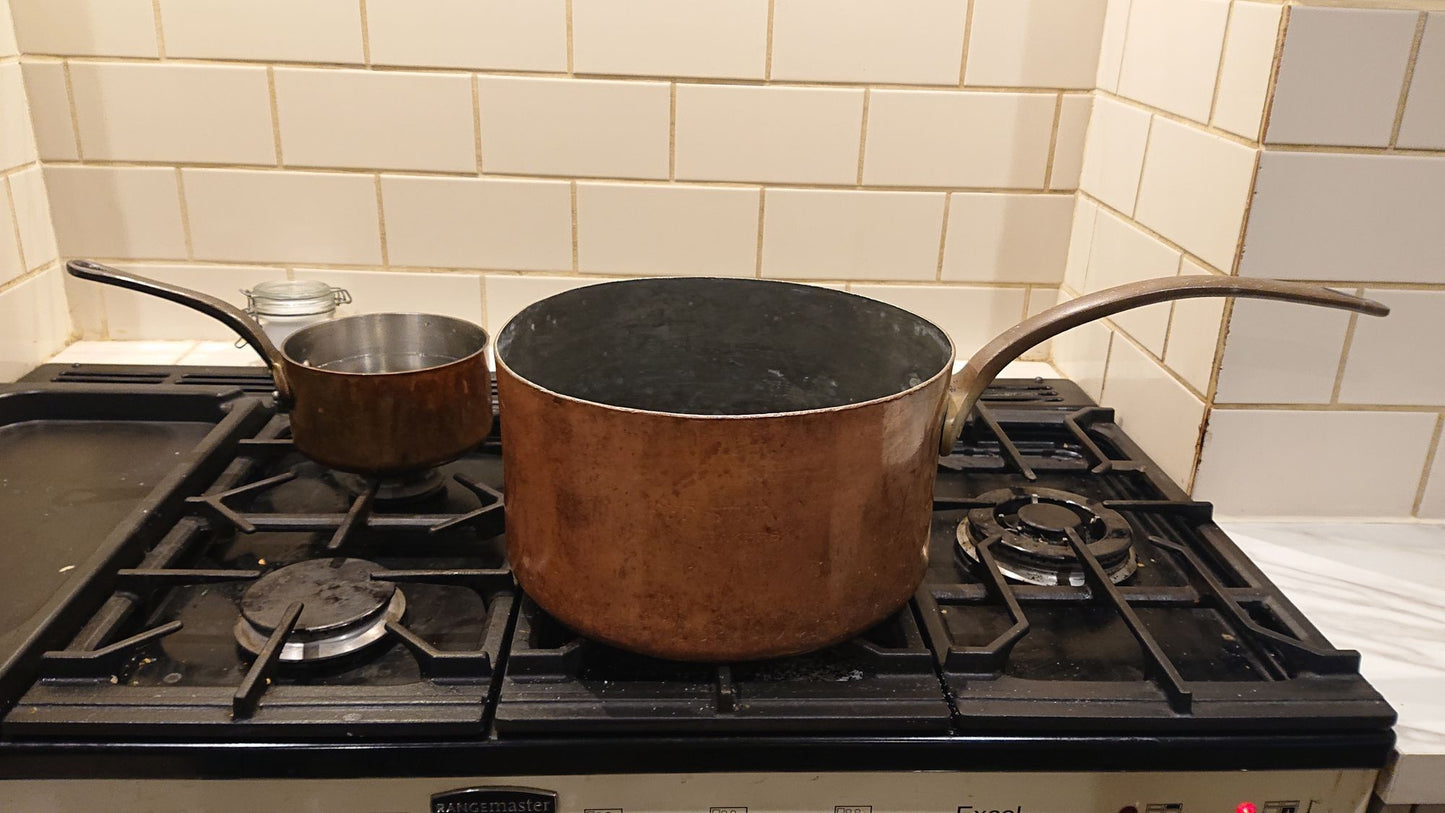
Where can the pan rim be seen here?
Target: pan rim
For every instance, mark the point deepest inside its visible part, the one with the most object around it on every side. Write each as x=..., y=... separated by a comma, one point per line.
x=486, y=341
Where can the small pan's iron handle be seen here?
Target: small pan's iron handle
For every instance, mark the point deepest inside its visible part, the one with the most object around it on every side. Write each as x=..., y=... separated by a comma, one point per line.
x=981, y=369
x=232, y=316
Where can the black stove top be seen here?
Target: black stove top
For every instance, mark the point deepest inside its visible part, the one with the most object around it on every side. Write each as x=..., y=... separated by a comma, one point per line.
x=247, y=597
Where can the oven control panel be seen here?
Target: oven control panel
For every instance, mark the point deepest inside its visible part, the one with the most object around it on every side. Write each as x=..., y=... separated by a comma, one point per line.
x=1318, y=791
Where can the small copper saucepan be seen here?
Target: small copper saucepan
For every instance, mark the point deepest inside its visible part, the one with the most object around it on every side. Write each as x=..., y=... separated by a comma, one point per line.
x=378, y=394
x=731, y=469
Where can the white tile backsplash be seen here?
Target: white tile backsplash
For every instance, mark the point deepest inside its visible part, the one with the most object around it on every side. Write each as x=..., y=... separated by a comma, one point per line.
x=33, y=323
x=500, y=224
x=32, y=217
x=1074, y=109
x=1252, y=459
x=1423, y=125
x=17, y=141
x=132, y=316
x=827, y=234
x=178, y=113
x=457, y=295
x=281, y=30
x=533, y=126
x=85, y=27
x=11, y=264
x=1007, y=238
x=1171, y=54
x=1371, y=218
x=1081, y=241
x=482, y=34
x=1432, y=501
x=1122, y=253
x=1114, y=153
x=970, y=316
x=1158, y=412
x=506, y=294
x=1194, y=326
x=1246, y=67
x=1194, y=190
x=1111, y=44
x=738, y=133
x=1082, y=353
x=1035, y=43
x=50, y=110
x=1280, y=352
x=366, y=119
x=8, y=46
x=1397, y=359
x=116, y=212
x=667, y=229
x=1340, y=75
x=960, y=139
x=918, y=41
x=713, y=38
x=259, y=216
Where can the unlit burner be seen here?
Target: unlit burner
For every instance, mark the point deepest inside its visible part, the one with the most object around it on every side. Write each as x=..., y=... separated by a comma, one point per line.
x=396, y=488
x=344, y=609
x=1032, y=526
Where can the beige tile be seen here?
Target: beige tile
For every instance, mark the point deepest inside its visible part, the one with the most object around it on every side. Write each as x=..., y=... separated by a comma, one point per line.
x=32, y=216
x=243, y=215
x=34, y=324
x=17, y=141
x=496, y=34
x=1245, y=68
x=277, y=30
x=1111, y=44
x=1158, y=412
x=1432, y=502
x=1069, y=142
x=996, y=237
x=87, y=315
x=180, y=113
x=391, y=120
x=478, y=223
x=1122, y=253
x=8, y=46
x=1346, y=217
x=575, y=127
x=1195, y=190
x=456, y=295
x=917, y=42
x=1171, y=54
x=1272, y=463
x=712, y=38
x=1340, y=76
x=506, y=294
x=1035, y=43
x=116, y=212
x=1424, y=123
x=1194, y=327
x=1081, y=240
x=85, y=27
x=134, y=316
x=672, y=229
x=1396, y=360
x=50, y=110
x=970, y=315
x=958, y=138
x=735, y=133
x=826, y=234
x=1040, y=299
x=11, y=263
x=1281, y=353
x=1114, y=153
x=1082, y=353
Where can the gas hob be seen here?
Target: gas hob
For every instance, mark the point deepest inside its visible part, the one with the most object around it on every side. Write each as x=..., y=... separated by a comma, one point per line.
x=195, y=602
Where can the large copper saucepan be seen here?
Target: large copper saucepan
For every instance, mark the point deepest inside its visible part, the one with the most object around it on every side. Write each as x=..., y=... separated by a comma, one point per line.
x=381, y=394
x=731, y=469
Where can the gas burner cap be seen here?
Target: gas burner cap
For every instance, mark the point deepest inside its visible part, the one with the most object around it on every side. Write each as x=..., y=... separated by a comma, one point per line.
x=344, y=609
x=397, y=489
x=1032, y=528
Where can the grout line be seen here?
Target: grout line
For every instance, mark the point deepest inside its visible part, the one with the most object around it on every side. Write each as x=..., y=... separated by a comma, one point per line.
x=1279, y=36
x=1219, y=66
x=15, y=225
x=1054, y=143
x=672, y=133
x=768, y=54
x=575, y=229
x=381, y=225
x=1344, y=357
x=1169, y=321
x=1239, y=238
x=11, y=284
x=569, y=38
x=1216, y=362
x=1429, y=465
x=160, y=31
x=1143, y=167
x=943, y=240
x=1178, y=119
x=477, y=120
x=275, y=115
x=967, y=40
x=185, y=214
x=762, y=208
x=863, y=134
x=365, y=36
x=1409, y=77
x=74, y=111
x=1129, y=220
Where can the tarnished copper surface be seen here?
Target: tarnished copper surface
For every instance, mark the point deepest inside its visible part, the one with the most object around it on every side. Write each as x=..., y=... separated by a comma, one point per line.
x=391, y=423
x=718, y=538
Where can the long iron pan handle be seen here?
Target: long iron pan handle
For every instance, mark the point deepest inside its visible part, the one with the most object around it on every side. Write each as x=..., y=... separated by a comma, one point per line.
x=230, y=315
x=985, y=365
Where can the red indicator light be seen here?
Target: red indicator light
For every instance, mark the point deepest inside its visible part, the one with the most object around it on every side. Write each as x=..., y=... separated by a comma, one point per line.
x=1246, y=807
